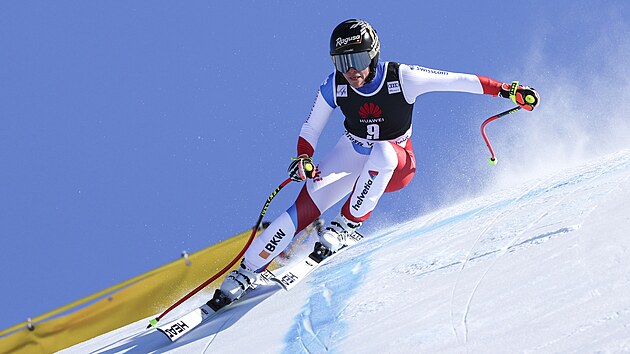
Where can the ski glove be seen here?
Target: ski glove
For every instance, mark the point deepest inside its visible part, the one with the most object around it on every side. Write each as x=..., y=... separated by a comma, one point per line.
x=301, y=168
x=524, y=96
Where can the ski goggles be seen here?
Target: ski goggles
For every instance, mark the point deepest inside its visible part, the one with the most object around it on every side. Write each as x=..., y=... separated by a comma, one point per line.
x=344, y=62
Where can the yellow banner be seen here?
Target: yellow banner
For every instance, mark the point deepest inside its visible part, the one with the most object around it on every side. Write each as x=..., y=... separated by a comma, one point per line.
x=143, y=296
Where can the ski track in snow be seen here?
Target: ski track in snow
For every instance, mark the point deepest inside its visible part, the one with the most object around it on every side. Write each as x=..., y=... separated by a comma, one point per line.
x=625, y=313
x=211, y=338
x=488, y=226
x=420, y=269
x=512, y=245
x=328, y=324
x=502, y=252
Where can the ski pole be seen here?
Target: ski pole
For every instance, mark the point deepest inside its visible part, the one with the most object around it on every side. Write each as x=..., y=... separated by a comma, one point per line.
x=493, y=159
x=153, y=322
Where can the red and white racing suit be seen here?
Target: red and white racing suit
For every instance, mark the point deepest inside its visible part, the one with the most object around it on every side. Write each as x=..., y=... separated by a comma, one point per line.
x=373, y=156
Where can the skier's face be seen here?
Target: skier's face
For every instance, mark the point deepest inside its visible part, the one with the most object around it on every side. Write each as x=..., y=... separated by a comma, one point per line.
x=356, y=78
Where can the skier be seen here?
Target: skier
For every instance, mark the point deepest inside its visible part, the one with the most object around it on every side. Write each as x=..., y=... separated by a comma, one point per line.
x=373, y=156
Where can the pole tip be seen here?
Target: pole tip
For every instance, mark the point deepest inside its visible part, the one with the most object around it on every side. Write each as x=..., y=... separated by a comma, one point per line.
x=492, y=161
x=153, y=323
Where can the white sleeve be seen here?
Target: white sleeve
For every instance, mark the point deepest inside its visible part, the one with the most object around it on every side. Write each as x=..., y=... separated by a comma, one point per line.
x=416, y=80
x=316, y=121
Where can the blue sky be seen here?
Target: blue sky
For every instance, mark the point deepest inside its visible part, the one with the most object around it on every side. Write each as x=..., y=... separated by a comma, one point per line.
x=134, y=130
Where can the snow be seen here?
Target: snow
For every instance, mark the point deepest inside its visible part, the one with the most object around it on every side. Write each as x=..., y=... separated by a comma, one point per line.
x=542, y=266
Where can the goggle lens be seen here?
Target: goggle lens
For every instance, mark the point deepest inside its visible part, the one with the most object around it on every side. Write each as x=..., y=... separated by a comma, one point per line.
x=344, y=62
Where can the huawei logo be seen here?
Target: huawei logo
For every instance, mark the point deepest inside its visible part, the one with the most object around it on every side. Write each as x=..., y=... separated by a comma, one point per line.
x=370, y=110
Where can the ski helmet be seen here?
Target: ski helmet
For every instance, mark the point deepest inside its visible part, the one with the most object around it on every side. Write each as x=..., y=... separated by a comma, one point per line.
x=354, y=44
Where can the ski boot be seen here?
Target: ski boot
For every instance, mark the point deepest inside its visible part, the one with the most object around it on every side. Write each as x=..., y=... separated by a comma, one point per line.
x=234, y=286
x=334, y=236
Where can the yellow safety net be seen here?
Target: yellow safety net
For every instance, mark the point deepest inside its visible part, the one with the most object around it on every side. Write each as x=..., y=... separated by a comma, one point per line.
x=143, y=296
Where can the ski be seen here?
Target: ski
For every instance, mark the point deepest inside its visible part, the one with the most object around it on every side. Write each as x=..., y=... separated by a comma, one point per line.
x=186, y=323
x=289, y=277
x=176, y=329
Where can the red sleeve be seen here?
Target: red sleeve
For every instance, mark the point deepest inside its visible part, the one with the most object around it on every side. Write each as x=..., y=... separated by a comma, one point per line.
x=304, y=147
x=490, y=86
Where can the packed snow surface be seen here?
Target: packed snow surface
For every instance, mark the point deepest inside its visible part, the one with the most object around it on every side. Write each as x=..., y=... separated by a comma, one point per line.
x=543, y=266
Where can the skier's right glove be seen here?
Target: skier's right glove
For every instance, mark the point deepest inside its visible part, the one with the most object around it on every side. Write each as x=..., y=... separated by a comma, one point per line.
x=301, y=168
x=524, y=96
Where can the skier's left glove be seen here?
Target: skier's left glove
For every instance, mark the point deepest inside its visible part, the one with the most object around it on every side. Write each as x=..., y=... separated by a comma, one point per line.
x=301, y=168
x=524, y=96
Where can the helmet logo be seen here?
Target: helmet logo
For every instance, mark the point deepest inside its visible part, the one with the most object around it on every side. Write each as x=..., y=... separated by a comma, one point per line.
x=340, y=42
